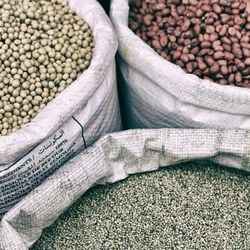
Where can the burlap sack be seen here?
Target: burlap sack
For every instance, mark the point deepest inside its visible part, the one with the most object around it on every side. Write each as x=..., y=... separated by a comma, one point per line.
x=83, y=112
x=113, y=158
x=156, y=93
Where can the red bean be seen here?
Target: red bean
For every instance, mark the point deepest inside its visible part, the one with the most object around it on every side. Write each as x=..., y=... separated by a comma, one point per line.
x=210, y=39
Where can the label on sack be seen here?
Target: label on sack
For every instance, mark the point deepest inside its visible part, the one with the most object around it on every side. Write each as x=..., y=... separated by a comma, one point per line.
x=40, y=162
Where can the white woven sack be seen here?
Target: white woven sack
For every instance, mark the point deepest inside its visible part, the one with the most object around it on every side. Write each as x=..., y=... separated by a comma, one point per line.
x=113, y=158
x=83, y=112
x=157, y=93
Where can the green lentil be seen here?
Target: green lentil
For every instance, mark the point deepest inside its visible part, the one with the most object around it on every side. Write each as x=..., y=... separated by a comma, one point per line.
x=189, y=206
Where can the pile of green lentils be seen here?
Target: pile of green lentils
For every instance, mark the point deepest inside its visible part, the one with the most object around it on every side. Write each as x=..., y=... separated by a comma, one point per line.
x=44, y=47
x=189, y=206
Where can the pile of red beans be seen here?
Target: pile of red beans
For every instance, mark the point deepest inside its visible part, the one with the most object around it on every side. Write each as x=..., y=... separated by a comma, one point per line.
x=208, y=38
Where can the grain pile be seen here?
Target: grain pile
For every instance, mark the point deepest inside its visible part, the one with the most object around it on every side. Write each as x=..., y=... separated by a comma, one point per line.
x=187, y=206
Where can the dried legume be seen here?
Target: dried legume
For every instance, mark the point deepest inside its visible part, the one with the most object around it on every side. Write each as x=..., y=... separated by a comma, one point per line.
x=45, y=46
x=209, y=38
